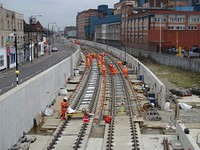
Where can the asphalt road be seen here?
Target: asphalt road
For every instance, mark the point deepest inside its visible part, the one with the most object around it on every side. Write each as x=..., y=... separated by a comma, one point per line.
x=29, y=70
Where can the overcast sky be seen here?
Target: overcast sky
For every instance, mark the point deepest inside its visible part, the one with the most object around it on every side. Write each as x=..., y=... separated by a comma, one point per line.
x=63, y=12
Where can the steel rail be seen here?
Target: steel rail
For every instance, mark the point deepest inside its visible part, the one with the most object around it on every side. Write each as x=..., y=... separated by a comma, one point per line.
x=86, y=101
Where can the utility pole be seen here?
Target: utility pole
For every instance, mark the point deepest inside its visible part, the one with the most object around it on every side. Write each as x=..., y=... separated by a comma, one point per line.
x=160, y=36
x=16, y=69
x=32, y=21
x=126, y=32
x=49, y=34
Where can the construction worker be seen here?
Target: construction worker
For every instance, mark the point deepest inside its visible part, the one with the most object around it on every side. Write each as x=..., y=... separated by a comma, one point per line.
x=110, y=67
x=98, y=56
x=103, y=69
x=125, y=71
x=88, y=63
x=122, y=110
x=64, y=105
x=87, y=56
x=99, y=63
x=120, y=63
x=114, y=70
x=103, y=54
x=102, y=60
x=85, y=116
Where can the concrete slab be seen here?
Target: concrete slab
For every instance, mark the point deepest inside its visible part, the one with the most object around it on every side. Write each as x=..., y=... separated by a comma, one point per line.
x=157, y=124
x=190, y=100
x=122, y=138
x=71, y=87
x=138, y=82
x=74, y=81
x=52, y=122
x=40, y=142
x=94, y=143
x=154, y=142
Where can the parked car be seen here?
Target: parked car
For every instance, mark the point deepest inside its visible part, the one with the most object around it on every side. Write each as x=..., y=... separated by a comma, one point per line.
x=54, y=49
x=195, y=48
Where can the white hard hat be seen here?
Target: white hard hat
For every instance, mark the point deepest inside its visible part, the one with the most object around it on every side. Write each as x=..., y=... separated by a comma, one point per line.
x=65, y=98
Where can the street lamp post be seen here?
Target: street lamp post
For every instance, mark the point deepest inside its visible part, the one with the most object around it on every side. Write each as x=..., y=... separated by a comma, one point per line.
x=38, y=41
x=126, y=32
x=50, y=33
x=16, y=69
x=160, y=36
x=126, y=12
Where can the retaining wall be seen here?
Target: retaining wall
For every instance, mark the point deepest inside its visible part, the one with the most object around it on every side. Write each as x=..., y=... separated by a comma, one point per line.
x=20, y=105
x=186, y=140
x=168, y=60
x=149, y=78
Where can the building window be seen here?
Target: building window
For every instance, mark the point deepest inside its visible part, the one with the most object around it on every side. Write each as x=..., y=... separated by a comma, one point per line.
x=171, y=28
x=12, y=58
x=176, y=19
x=194, y=19
x=2, y=41
x=8, y=25
x=1, y=60
x=192, y=27
x=176, y=27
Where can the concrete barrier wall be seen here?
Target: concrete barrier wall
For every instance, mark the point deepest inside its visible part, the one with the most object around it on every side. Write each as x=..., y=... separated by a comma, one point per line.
x=169, y=60
x=149, y=78
x=186, y=140
x=20, y=105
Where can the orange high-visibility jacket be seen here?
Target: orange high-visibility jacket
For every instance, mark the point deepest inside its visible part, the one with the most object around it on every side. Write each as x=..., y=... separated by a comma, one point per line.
x=120, y=63
x=64, y=105
x=125, y=71
x=103, y=70
x=88, y=63
x=114, y=70
x=103, y=54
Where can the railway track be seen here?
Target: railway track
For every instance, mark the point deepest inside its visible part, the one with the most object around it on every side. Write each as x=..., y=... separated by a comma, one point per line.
x=121, y=133
x=166, y=144
x=73, y=132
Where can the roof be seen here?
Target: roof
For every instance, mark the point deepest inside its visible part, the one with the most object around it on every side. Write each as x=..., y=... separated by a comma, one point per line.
x=33, y=27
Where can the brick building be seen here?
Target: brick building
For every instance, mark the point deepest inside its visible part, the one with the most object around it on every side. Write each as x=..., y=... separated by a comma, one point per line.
x=152, y=29
x=83, y=21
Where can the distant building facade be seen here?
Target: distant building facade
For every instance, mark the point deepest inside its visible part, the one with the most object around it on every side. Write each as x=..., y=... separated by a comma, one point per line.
x=70, y=32
x=156, y=28
x=159, y=29
x=10, y=20
x=33, y=40
x=107, y=30
x=83, y=21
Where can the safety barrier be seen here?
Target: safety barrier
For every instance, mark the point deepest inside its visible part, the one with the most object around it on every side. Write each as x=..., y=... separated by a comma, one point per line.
x=149, y=78
x=20, y=105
